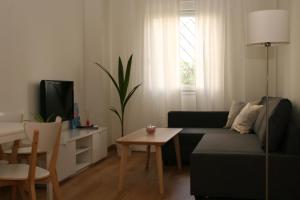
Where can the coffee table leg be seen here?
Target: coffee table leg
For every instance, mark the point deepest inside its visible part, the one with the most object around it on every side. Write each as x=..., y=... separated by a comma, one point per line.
x=159, y=169
x=177, y=150
x=123, y=166
x=148, y=157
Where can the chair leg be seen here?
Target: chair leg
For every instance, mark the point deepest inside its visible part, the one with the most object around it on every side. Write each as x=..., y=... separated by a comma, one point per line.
x=56, y=187
x=1, y=153
x=14, y=153
x=13, y=192
x=32, y=192
x=21, y=190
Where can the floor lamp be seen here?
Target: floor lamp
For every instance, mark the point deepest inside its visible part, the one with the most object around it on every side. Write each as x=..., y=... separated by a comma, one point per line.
x=268, y=28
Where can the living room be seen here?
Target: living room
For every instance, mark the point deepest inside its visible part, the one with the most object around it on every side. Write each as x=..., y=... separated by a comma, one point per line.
x=191, y=60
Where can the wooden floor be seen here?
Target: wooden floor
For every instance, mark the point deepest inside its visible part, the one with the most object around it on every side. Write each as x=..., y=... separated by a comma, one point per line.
x=99, y=182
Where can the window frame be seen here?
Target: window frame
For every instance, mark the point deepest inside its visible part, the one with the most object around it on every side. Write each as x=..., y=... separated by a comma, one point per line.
x=187, y=8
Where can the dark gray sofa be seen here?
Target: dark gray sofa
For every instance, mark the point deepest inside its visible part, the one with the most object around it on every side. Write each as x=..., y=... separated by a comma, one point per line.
x=226, y=164
x=191, y=134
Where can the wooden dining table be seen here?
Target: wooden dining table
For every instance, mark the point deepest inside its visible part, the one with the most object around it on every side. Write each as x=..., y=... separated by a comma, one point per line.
x=11, y=131
x=14, y=132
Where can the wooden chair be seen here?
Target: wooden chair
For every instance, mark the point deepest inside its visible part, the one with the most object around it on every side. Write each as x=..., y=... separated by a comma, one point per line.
x=49, y=141
x=23, y=175
x=24, y=148
x=4, y=159
x=9, y=117
x=2, y=156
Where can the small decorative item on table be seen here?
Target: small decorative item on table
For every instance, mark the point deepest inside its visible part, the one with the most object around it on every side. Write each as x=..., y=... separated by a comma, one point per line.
x=150, y=129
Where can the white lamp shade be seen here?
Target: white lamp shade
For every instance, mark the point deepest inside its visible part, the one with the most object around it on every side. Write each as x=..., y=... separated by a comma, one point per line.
x=268, y=26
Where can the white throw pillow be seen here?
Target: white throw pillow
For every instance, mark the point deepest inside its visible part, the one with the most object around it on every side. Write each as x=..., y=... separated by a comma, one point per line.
x=243, y=123
x=235, y=109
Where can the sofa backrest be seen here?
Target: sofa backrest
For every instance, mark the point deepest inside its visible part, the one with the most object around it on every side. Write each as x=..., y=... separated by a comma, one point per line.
x=197, y=119
x=279, y=118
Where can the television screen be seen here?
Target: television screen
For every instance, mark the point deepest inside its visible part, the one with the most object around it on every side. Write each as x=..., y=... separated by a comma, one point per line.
x=57, y=99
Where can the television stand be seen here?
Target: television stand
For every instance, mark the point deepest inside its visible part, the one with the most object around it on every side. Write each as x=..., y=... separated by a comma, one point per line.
x=88, y=127
x=80, y=148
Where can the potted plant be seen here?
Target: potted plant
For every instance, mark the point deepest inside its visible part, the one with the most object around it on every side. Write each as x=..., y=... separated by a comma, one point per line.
x=121, y=85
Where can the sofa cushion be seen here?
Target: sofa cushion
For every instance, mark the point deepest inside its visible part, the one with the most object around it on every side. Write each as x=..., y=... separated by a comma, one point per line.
x=260, y=124
x=245, y=120
x=235, y=109
x=229, y=144
x=279, y=117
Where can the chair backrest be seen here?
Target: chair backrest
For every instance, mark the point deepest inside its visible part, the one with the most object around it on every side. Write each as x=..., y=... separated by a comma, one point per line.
x=33, y=157
x=11, y=117
x=1, y=153
x=49, y=137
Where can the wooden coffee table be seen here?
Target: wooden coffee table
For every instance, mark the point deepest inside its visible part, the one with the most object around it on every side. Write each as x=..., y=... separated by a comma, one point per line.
x=159, y=138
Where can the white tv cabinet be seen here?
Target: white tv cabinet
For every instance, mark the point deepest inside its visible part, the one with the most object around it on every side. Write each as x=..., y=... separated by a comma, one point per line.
x=80, y=148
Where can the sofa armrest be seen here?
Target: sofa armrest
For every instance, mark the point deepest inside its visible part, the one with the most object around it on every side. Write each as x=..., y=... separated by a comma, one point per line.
x=190, y=119
x=284, y=176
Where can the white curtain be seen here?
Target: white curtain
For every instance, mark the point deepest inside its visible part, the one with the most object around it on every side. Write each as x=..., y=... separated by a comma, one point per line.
x=210, y=23
x=148, y=29
x=224, y=65
x=161, y=61
x=220, y=53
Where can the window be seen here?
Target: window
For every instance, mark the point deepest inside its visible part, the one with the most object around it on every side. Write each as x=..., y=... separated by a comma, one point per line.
x=187, y=40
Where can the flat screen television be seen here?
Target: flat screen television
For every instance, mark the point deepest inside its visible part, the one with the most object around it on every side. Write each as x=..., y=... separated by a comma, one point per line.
x=57, y=98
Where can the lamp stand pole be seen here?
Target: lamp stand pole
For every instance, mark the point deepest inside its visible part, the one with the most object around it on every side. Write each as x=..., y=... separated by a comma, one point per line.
x=267, y=45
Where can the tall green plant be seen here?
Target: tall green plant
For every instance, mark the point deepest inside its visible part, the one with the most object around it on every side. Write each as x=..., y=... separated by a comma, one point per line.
x=122, y=88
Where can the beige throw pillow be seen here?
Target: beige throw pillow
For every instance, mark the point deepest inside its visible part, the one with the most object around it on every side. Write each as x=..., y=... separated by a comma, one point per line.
x=235, y=109
x=243, y=123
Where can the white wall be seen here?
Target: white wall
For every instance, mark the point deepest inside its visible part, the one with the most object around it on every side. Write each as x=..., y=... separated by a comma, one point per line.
x=39, y=39
x=96, y=49
x=289, y=59
x=110, y=32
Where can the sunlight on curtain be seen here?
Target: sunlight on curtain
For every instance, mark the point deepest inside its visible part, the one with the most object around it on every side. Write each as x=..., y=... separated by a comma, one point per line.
x=161, y=45
x=226, y=69
x=161, y=86
x=210, y=22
